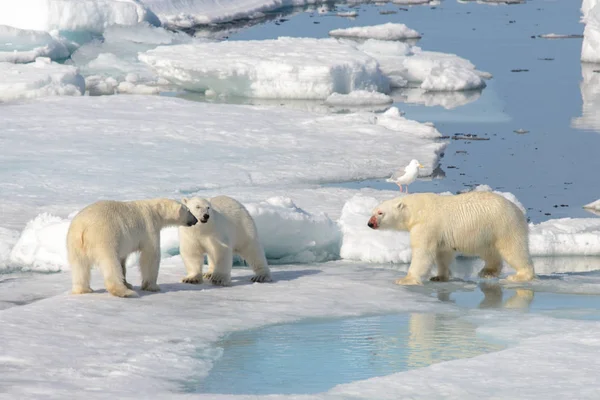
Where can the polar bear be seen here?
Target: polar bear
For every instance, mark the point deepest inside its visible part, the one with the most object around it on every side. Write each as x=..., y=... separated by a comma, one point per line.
x=106, y=232
x=225, y=228
x=481, y=224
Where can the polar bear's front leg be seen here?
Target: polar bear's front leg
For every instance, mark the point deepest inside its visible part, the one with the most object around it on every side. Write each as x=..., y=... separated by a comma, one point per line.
x=420, y=266
x=221, y=258
x=127, y=284
x=193, y=266
x=149, y=265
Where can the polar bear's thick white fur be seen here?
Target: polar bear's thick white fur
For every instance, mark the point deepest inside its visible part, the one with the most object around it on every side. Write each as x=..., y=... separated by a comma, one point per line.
x=480, y=224
x=225, y=228
x=106, y=232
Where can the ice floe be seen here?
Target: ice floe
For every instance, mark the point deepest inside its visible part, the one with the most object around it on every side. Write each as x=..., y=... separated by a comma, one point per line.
x=298, y=68
x=590, y=48
x=24, y=46
x=39, y=79
x=74, y=15
x=431, y=71
x=388, y=31
x=185, y=144
x=305, y=68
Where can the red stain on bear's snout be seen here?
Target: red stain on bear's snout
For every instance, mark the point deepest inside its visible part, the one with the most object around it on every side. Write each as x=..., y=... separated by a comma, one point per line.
x=372, y=222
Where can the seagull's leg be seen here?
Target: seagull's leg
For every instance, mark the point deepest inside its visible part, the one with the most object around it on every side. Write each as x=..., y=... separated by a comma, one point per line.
x=406, y=189
x=400, y=186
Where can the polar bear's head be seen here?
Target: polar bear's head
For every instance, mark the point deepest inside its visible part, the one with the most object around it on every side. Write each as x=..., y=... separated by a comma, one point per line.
x=390, y=214
x=199, y=207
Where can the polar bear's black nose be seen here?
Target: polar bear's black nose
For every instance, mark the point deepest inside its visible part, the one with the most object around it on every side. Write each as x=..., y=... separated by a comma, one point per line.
x=192, y=220
x=370, y=224
x=205, y=218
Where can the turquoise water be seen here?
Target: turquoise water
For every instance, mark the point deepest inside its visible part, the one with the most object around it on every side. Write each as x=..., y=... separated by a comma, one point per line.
x=318, y=355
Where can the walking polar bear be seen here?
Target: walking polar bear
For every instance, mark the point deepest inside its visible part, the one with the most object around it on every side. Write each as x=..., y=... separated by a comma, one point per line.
x=106, y=232
x=225, y=228
x=481, y=224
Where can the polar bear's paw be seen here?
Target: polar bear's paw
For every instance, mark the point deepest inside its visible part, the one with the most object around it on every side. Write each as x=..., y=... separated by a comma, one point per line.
x=150, y=287
x=408, y=280
x=128, y=285
x=81, y=290
x=520, y=277
x=193, y=279
x=122, y=291
x=207, y=276
x=489, y=273
x=261, y=278
x=220, y=279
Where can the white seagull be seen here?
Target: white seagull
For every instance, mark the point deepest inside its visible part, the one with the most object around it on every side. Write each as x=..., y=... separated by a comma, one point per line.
x=411, y=171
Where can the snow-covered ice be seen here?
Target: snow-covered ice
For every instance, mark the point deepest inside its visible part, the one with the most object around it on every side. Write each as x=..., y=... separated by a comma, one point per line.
x=188, y=147
x=388, y=31
x=594, y=205
x=291, y=68
x=305, y=68
x=432, y=71
x=74, y=15
x=590, y=48
x=39, y=79
x=24, y=46
x=358, y=98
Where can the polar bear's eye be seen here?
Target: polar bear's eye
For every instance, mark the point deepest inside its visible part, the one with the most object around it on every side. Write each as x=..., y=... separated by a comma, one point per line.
x=197, y=207
x=379, y=213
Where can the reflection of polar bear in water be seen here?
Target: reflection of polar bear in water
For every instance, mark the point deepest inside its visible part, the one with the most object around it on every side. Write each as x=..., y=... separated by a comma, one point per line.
x=106, y=232
x=225, y=228
x=481, y=224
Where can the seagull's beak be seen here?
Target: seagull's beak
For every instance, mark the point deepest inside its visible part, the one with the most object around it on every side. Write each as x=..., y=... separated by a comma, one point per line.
x=420, y=166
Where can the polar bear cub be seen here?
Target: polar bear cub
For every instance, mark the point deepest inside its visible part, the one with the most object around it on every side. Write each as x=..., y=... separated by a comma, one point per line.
x=480, y=224
x=106, y=232
x=225, y=228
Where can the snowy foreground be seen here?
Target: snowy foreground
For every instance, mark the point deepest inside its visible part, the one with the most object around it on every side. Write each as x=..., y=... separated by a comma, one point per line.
x=57, y=345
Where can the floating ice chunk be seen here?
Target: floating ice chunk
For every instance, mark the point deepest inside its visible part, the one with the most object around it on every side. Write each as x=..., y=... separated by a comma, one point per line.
x=74, y=15
x=347, y=14
x=115, y=58
x=291, y=68
x=565, y=237
x=450, y=78
x=433, y=71
x=24, y=46
x=414, y=2
x=358, y=98
x=39, y=79
x=389, y=31
x=595, y=205
x=590, y=48
x=559, y=36
x=443, y=72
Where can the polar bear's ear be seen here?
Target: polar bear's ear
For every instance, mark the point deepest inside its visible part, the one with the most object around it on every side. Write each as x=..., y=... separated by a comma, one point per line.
x=184, y=200
x=400, y=205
